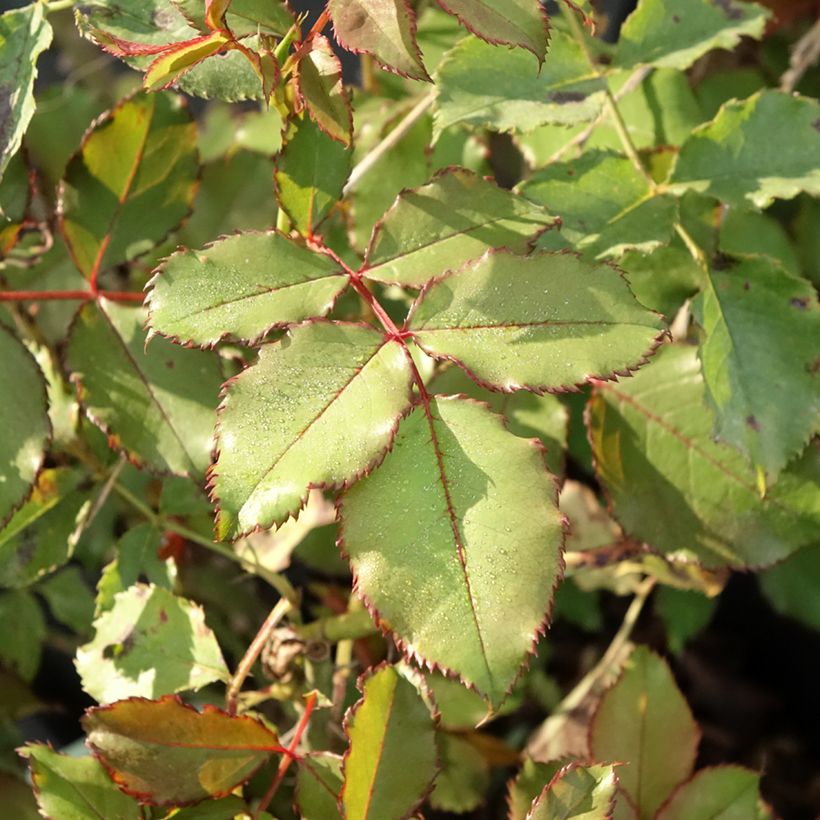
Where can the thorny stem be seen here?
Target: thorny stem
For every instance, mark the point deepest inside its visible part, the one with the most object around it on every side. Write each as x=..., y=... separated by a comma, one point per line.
x=284, y=764
x=283, y=606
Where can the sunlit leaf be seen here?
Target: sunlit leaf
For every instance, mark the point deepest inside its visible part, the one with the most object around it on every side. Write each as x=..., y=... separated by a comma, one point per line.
x=528, y=785
x=577, y=793
x=169, y=66
x=443, y=536
x=244, y=16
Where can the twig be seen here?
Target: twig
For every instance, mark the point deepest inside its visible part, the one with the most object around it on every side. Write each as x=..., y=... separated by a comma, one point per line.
x=805, y=54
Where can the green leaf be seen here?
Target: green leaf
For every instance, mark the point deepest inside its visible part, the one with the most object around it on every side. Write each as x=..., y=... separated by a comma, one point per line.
x=76, y=788
x=386, y=29
x=41, y=536
x=684, y=493
x=322, y=92
x=24, y=422
x=18, y=798
x=517, y=322
x=464, y=777
x=318, y=784
x=684, y=613
x=150, y=643
x=514, y=22
x=577, y=793
x=458, y=524
x=244, y=286
x=15, y=196
x=24, y=35
x=155, y=401
x=132, y=182
x=488, y=87
x=761, y=324
x=661, y=33
x=319, y=409
x=310, y=175
x=225, y=808
x=392, y=757
x=165, y=752
x=22, y=632
x=728, y=792
x=440, y=226
x=754, y=151
x=634, y=723
x=244, y=16
x=136, y=558
x=605, y=204
x=791, y=586
x=69, y=599
x=528, y=785
x=747, y=233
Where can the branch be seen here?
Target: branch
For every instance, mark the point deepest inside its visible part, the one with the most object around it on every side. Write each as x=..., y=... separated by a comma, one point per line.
x=805, y=54
x=68, y=295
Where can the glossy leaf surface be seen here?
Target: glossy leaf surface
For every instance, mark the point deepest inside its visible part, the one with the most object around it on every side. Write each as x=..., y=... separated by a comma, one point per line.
x=754, y=151
x=241, y=286
x=684, y=492
x=156, y=402
x=132, y=182
x=319, y=408
x=165, y=752
x=727, y=792
x=645, y=720
x=384, y=28
x=442, y=537
x=149, y=643
x=577, y=793
x=392, y=757
x=546, y=321
x=447, y=222
x=76, y=788
x=24, y=422
x=761, y=324
x=662, y=33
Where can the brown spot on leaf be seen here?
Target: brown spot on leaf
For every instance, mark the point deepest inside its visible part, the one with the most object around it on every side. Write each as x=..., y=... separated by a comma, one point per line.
x=814, y=367
x=721, y=262
x=753, y=423
x=562, y=97
x=816, y=125
x=675, y=18
x=163, y=616
x=731, y=11
x=746, y=285
x=801, y=303
x=170, y=365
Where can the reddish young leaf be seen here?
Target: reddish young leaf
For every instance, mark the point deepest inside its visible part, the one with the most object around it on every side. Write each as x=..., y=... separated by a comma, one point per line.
x=174, y=62
x=165, y=752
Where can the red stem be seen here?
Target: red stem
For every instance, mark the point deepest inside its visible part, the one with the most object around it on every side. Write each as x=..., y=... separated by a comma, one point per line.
x=284, y=764
x=318, y=26
x=68, y=295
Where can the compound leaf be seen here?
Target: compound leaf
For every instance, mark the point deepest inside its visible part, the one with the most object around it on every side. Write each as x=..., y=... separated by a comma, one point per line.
x=760, y=325
x=156, y=402
x=242, y=286
x=546, y=321
x=676, y=489
x=754, y=151
x=635, y=722
x=727, y=792
x=665, y=34
x=444, y=536
x=318, y=409
x=384, y=28
x=577, y=793
x=166, y=752
x=440, y=226
x=131, y=183
x=149, y=643
x=392, y=757
x=24, y=422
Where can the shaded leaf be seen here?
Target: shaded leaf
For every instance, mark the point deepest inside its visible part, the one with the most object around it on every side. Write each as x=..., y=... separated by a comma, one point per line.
x=502, y=89
x=392, y=758
x=635, y=721
x=165, y=752
x=318, y=784
x=76, y=788
x=791, y=586
x=157, y=401
x=385, y=28
x=321, y=90
x=310, y=174
x=319, y=409
x=761, y=324
x=69, y=599
x=24, y=422
x=447, y=533
x=242, y=285
x=225, y=808
x=22, y=632
x=24, y=35
x=464, y=777
x=131, y=183
x=515, y=22
x=528, y=785
x=747, y=233
x=684, y=613
x=149, y=643
x=579, y=792
x=17, y=797
x=440, y=226
x=664, y=34
x=15, y=196
x=684, y=493
x=517, y=322
x=754, y=151
x=605, y=204
x=728, y=792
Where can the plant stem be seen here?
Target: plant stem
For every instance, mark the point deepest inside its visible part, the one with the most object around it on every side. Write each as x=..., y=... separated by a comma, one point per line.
x=283, y=606
x=58, y=5
x=68, y=295
x=805, y=54
x=284, y=764
x=349, y=625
